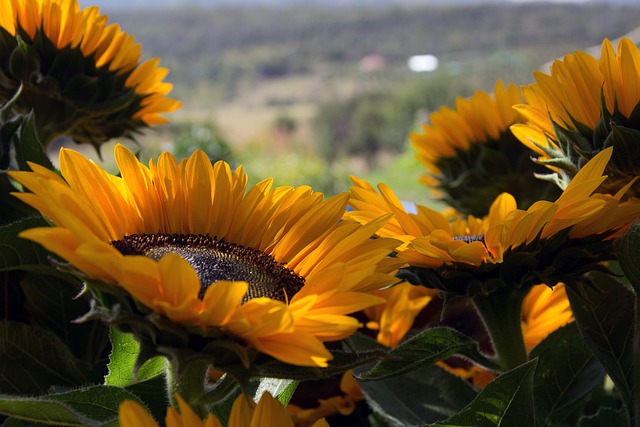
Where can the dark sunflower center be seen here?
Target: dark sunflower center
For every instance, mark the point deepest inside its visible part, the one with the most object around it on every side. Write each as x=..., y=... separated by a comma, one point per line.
x=217, y=260
x=470, y=238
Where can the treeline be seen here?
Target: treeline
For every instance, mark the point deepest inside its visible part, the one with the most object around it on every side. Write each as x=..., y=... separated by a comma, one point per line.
x=199, y=44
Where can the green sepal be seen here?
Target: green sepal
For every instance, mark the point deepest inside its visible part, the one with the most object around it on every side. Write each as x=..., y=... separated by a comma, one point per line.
x=418, y=397
x=423, y=349
x=604, y=309
x=91, y=406
x=9, y=124
x=567, y=372
x=628, y=250
x=506, y=401
x=24, y=61
x=625, y=160
x=472, y=178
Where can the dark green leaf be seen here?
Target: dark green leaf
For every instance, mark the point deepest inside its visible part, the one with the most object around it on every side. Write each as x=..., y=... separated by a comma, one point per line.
x=425, y=395
x=29, y=147
x=605, y=417
x=153, y=393
x=425, y=348
x=604, y=310
x=628, y=251
x=342, y=362
x=33, y=359
x=567, y=371
x=21, y=254
x=506, y=401
x=122, y=361
x=92, y=406
x=53, y=303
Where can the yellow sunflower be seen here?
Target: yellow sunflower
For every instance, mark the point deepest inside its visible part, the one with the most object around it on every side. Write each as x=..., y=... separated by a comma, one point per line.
x=477, y=249
x=471, y=156
x=583, y=106
x=544, y=310
x=394, y=318
x=273, y=268
x=81, y=76
x=268, y=412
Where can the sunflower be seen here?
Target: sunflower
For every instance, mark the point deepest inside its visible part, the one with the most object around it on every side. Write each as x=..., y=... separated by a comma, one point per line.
x=394, y=318
x=583, y=106
x=509, y=245
x=471, y=156
x=273, y=268
x=268, y=412
x=544, y=310
x=82, y=77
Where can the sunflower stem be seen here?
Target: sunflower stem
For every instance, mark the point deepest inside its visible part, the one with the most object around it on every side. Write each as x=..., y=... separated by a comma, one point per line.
x=188, y=379
x=501, y=312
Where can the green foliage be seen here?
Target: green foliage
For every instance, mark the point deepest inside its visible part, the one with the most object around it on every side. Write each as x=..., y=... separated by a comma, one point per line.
x=422, y=349
x=189, y=137
x=605, y=311
x=421, y=396
x=92, y=406
x=566, y=373
x=506, y=401
x=381, y=120
x=33, y=359
x=123, y=368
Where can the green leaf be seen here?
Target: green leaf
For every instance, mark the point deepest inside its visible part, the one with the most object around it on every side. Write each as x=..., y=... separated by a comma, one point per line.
x=33, y=359
x=276, y=387
x=604, y=309
x=605, y=417
x=285, y=395
x=425, y=395
x=123, y=359
x=92, y=406
x=342, y=362
x=54, y=304
x=425, y=348
x=506, y=401
x=628, y=251
x=21, y=254
x=29, y=147
x=567, y=371
x=153, y=393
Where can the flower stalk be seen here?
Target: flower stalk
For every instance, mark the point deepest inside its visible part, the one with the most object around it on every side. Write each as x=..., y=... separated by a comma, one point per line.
x=188, y=380
x=501, y=313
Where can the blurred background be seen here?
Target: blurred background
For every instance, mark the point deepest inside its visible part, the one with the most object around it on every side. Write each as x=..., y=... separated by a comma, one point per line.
x=310, y=92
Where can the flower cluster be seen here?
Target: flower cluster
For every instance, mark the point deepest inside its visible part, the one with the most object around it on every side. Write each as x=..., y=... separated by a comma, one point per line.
x=246, y=305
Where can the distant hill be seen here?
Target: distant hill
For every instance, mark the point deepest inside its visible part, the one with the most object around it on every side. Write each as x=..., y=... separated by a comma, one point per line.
x=108, y=5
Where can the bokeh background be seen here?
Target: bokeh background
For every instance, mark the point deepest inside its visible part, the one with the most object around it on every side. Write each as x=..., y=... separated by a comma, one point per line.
x=310, y=92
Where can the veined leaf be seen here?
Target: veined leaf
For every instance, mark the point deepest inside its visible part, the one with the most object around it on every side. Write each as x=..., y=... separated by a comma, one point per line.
x=425, y=348
x=567, y=371
x=506, y=401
